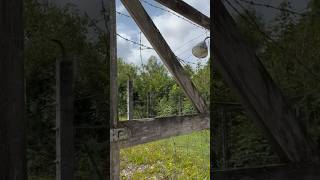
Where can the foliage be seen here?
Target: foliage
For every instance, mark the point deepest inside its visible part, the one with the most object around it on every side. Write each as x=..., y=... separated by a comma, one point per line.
x=292, y=59
x=44, y=23
x=294, y=64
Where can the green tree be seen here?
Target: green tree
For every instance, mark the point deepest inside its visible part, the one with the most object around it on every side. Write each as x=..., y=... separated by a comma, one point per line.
x=44, y=23
x=153, y=82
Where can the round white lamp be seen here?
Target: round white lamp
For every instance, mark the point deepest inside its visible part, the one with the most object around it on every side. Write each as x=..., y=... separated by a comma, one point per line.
x=201, y=49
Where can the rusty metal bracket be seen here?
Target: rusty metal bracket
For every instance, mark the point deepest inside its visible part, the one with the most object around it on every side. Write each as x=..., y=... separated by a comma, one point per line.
x=118, y=134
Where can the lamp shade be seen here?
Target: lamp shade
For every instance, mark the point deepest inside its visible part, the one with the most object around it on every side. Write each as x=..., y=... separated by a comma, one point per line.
x=200, y=50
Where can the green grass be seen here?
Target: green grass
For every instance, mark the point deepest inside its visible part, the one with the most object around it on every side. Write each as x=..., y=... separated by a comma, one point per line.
x=182, y=157
x=123, y=118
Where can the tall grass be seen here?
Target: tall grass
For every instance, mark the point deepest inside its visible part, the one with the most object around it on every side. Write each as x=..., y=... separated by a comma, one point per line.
x=182, y=157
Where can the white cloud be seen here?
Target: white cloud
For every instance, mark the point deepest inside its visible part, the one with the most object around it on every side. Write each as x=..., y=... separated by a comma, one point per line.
x=176, y=32
x=120, y=7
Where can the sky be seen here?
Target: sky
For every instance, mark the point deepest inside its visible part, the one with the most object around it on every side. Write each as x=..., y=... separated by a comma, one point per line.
x=179, y=34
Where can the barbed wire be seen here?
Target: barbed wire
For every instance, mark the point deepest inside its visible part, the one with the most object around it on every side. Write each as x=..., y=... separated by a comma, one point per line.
x=134, y=42
x=182, y=52
x=146, y=47
x=274, y=43
x=163, y=9
x=189, y=41
x=272, y=7
x=54, y=103
x=183, y=61
x=250, y=21
x=166, y=10
x=122, y=14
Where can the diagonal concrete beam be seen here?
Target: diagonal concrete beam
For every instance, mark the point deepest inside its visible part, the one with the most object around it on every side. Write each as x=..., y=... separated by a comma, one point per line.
x=152, y=33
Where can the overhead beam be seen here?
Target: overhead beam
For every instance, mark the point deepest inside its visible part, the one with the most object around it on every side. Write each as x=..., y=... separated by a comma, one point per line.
x=187, y=11
x=274, y=172
x=148, y=130
x=153, y=35
x=263, y=100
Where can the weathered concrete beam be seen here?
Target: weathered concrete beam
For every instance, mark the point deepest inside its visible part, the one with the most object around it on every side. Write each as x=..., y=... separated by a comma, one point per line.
x=274, y=172
x=187, y=11
x=259, y=95
x=162, y=48
x=152, y=129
